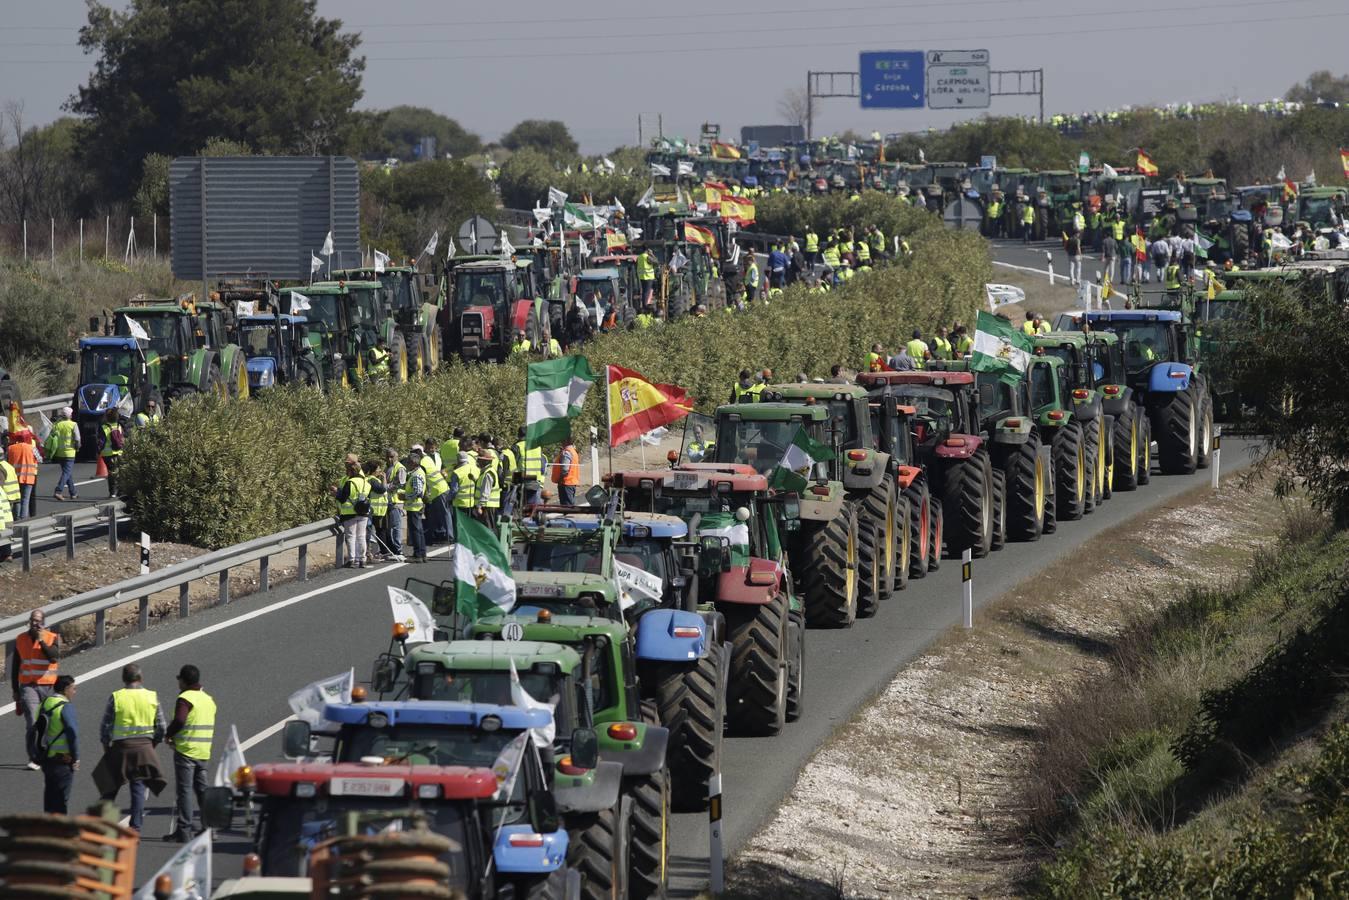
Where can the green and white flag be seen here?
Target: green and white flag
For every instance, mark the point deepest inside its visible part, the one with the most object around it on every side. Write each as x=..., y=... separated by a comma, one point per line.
x=999, y=346
x=482, y=571
x=554, y=393
x=1202, y=243
x=793, y=472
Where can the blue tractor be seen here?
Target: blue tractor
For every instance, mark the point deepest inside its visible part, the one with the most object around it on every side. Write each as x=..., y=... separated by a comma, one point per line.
x=1161, y=363
x=278, y=351
x=116, y=373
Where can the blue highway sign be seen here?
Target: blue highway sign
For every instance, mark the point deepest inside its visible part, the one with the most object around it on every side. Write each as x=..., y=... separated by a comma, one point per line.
x=892, y=79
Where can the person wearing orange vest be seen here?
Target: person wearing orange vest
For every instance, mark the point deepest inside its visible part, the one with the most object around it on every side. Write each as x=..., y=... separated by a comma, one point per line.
x=32, y=668
x=22, y=455
x=567, y=473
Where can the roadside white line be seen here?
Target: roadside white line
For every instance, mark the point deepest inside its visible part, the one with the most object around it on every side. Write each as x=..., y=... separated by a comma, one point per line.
x=90, y=481
x=265, y=733
x=230, y=623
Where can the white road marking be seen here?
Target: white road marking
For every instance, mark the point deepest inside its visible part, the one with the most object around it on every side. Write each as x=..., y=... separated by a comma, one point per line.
x=266, y=732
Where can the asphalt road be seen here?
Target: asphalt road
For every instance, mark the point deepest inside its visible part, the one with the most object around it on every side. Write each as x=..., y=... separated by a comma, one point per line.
x=256, y=651
x=92, y=491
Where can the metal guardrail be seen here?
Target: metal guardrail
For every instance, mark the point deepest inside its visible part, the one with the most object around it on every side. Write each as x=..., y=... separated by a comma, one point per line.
x=29, y=530
x=47, y=404
x=217, y=563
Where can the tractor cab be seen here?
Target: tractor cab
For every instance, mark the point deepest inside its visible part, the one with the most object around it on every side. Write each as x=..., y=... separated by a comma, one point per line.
x=277, y=350
x=1148, y=337
x=598, y=292
x=759, y=434
x=943, y=402
x=493, y=300
x=118, y=373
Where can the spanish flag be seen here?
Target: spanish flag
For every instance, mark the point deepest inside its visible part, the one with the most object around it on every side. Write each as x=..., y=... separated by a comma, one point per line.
x=1289, y=189
x=615, y=240
x=725, y=151
x=637, y=406
x=1146, y=165
x=697, y=234
x=739, y=210
x=1140, y=245
x=1344, y=161
x=712, y=193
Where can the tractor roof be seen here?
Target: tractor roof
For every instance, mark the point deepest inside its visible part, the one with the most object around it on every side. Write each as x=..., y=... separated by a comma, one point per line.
x=598, y=274
x=356, y=779
x=1136, y=315
x=490, y=265
x=268, y=320
x=436, y=712
x=798, y=391
x=1059, y=338
x=154, y=308
x=931, y=377
x=773, y=412
x=493, y=655
x=1281, y=274
x=109, y=343
x=1323, y=191
x=1102, y=337
x=560, y=628
x=697, y=477
x=358, y=284
x=369, y=274
x=635, y=524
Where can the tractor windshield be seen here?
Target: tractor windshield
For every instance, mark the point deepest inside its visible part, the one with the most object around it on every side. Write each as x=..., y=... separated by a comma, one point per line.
x=292, y=826
x=997, y=398
x=322, y=312
x=841, y=417
x=1316, y=211
x=365, y=307
x=1144, y=342
x=434, y=745
x=602, y=290
x=100, y=365
x=163, y=331
x=1042, y=387
x=644, y=553
x=1220, y=310
x=258, y=340
x=399, y=286
x=479, y=289
x=762, y=444
x=483, y=686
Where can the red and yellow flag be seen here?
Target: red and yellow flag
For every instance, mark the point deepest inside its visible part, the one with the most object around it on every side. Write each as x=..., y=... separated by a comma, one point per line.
x=1289, y=189
x=637, y=406
x=725, y=151
x=1344, y=161
x=697, y=234
x=739, y=210
x=712, y=193
x=1146, y=165
x=1140, y=245
x=615, y=240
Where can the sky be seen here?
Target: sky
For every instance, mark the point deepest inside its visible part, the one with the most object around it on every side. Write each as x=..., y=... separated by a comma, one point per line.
x=598, y=64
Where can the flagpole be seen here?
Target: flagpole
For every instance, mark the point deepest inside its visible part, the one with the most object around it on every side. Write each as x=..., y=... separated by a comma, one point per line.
x=609, y=415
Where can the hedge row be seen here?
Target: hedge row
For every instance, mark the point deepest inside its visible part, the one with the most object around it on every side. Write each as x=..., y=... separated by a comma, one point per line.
x=216, y=473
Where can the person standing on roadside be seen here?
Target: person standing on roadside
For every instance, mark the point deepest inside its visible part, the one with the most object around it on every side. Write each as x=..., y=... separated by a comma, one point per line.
x=111, y=439
x=9, y=484
x=22, y=455
x=414, y=502
x=353, y=510
x=61, y=759
x=190, y=734
x=396, y=475
x=63, y=444
x=567, y=473
x=32, y=668
x=133, y=726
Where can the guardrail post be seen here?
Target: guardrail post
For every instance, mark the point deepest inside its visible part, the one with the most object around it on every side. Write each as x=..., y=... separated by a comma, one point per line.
x=340, y=548
x=100, y=628
x=27, y=540
x=303, y=567
x=264, y=574
x=143, y=618
x=224, y=588
x=110, y=510
x=183, y=609
x=68, y=524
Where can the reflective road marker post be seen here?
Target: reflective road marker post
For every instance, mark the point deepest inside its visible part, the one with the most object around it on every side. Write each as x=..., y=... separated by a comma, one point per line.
x=145, y=553
x=1216, y=463
x=716, y=875
x=967, y=587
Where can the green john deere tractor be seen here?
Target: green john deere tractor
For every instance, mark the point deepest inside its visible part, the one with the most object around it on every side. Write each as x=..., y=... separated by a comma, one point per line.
x=414, y=301
x=191, y=340
x=345, y=320
x=1051, y=409
x=1088, y=409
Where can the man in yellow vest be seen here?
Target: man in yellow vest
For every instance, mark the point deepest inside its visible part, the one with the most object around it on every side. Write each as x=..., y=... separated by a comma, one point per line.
x=488, y=486
x=746, y=390
x=9, y=489
x=439, y=526
x=110, y=438
x=414, y=502
x=918, y=349
x=646, y=275
x=1027, y=220
x=62, y=446
x=379, y=361
x=61, y=759
x=133, y=726
x=190, y=734
x=812, y=247
x=463, y=483
x=941, y=344
x=530, y=464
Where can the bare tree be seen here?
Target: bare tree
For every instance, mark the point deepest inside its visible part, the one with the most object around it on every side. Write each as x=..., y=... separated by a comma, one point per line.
x=794, y=107
x=31, y=182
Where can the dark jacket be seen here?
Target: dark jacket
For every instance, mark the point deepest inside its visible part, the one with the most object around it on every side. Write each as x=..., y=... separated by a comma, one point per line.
x=127, y=761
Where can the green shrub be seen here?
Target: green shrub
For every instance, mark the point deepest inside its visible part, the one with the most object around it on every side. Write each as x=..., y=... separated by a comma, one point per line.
x=218, y=472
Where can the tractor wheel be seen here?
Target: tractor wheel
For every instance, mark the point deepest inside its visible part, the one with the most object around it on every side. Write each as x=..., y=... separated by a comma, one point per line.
x=1027, y=485
x=1205, y=456
x=552, y=886
x=937, y=530
x=869, y=544
x=1178, y=434
x=307, y=374
x=904, y=543
x=398, y=360
x=692, y=703
x=756, y=691
x=969, y=499
x=1144, y=450
x=1241, y=245
x=919, y=514
x=649, y=854
x=598, y=849
x=829, y=572
x=416, y=345
x=1000, y=510
x=1108, y=450
x=1094, y=461
x=1127, y=456
x=215, y=382
x=879, y=506
x=1070, y=472
x=796, y=666
x=238, y=380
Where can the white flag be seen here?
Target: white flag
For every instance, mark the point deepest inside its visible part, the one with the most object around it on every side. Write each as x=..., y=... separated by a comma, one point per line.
x=556, y=197
x=678, y=261
x=543, y=737
x=412, y=612
x=608, y=164
x=230, y=761
x=647, y=198
x=507, y=249
x=327, y=245
x=635, y=584
x=658, y=169
x=308, y=701
x=542, y=215
x=1002, y=294
x=684, y=167
x=1283, y=174
x=619, y=206
x=735, y=254
x=585, y=248
x=431, y=245
x=136, y=328
x=449, y=254
x=1278, y=241
x=314, y=263
x=507, y=765
x=1108, y=171
x=298, y=302
x=1311, y=178
x=381, y=260
x=245, y=307
x=922, y=157
x=189, y=869
x=634, y=233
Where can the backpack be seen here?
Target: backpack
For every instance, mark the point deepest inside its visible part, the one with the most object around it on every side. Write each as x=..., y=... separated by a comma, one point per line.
x=37, y=740
x=361, y=502
x=118, y=438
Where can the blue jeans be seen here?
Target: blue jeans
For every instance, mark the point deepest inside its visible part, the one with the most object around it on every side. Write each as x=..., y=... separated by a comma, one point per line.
x=395, y=526
x=189, y=776
x=137, y=802
x=26, y=503
x=57, y=778
x=67, y=477
x=416, y=536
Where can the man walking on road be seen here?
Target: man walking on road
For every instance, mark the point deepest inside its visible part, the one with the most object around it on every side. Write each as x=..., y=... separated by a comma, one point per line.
x=32, y=668
x=62, y=758
x=190, y=734
x=133, y=726
x=62, y=446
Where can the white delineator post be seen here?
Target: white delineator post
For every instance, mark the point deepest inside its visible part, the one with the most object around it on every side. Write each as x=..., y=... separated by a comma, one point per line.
x=595, y=452
x=716, y=863
x=145, y=552
x=1215, y=465
x=967, y=587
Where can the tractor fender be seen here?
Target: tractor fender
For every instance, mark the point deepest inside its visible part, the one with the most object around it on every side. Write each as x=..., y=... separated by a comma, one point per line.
x=816, y=508
x=1087, y=410
x=529, y=860
x=590, y=794
x=656, y=638
x=864, y=474
x=642, y=755
x=905, y=475
x=198, y=369
x=426, y=319
x=735, y=586
x=1119, y=404
x=971, y=443
x=1170, y=378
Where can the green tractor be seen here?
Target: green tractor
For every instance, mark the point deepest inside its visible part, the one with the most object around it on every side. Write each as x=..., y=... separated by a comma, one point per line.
x=414, y=300
x=1131, y=454
x=191, y=340
x=1080, y=373
x=345, y=320
x=1322, y=207
x=278, y=351
x=1051, y=408
x=1057, y=191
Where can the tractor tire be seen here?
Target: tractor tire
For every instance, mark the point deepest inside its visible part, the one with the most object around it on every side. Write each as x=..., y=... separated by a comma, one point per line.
x=829, y=572
x=999, y=510
x=919, y=515
x=215, y=382
x=756, y=691
x=237, y=382
x=1108, y=450
x=880, y=507
x=1070, y=473
x=598, y=849
x=1178, y=434
x=691, y=701
x=1241, y=245
x=1205, y=456
x=398, y=360
x=969, y=499
x=1095, y=466
x=552, y=886
x=1144, y=450
x=937, y=530
x=904, y=543
x=868, y=568
x=796, y=665
x=308, y=374
x=416, y=346
x=1027, y=487
x=649, y=856
x=1125, y=438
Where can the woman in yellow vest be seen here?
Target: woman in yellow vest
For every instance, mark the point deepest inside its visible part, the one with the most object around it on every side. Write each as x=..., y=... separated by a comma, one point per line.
x=190, y=734
x=353, y=509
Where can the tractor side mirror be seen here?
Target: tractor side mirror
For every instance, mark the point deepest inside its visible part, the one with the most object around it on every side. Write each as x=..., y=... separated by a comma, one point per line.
x=94, y=323
x=385, y=673
x=791, y=514
x=217, y=808
x=543, y=817
x=295, y=739
x=71, y=358
x=585, y=748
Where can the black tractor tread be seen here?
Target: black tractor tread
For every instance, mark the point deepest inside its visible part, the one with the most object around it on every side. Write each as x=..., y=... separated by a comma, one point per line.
x=969, y=483
x=1068, y=456
x=648, y=855
x=796, y=682
x=758, y=638
x=1091, y=449
x=868, y=563
x=916, y=493
x=877, y=506
x=904, y=537
x=999, y=510
x=691, y=703
x=1173, y=435
x=1205, y=454
x=591, y=852
x=936, y=535
x=1127, y=427
x=823, y=573
x=1024, y=521
x=1144, y=450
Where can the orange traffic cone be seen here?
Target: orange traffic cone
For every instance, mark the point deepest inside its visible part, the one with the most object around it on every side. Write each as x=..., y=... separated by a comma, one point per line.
x=101, y=470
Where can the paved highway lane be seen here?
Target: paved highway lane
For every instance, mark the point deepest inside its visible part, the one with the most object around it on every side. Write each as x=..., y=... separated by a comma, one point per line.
x=256, y=651
x=91, y=490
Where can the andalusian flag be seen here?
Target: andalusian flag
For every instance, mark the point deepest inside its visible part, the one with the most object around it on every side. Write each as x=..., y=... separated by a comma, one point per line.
x=793, y=471
x=1202, y=243
x=1344, y=161
x=725, y=151
x=1146, y=165
x=739, y=210
x=999, y=347
x=637, y=406
x=554, y=393
x=482, y=570
x=697, y=234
